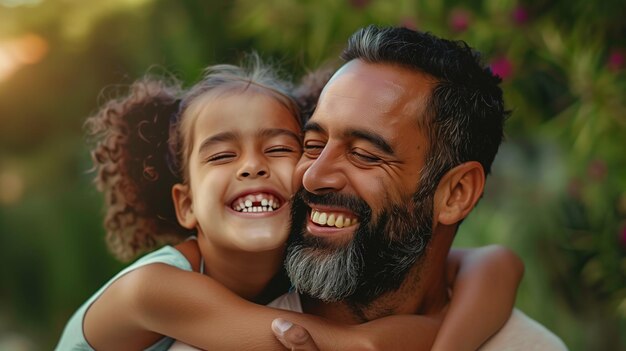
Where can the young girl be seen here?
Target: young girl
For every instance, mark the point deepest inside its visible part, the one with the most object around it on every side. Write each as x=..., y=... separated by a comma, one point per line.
x=224, y=152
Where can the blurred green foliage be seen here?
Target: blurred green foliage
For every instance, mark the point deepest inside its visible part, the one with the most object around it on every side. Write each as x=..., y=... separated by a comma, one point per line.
x=557, y=194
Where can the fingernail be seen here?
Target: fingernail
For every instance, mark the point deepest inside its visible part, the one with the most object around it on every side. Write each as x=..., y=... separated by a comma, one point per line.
x=281, y=325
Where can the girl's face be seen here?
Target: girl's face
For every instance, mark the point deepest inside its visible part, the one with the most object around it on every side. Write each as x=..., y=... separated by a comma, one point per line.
x=245, y=145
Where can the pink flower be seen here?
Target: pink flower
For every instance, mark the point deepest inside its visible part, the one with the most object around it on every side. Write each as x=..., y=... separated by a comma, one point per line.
x=616, y=60
x=520, y=15
x=359, y=4
x=409, y=22
x=502, y=67
x=460, y=20
x=597, y=170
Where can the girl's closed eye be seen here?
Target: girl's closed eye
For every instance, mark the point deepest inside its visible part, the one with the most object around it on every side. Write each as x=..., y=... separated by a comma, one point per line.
x=283, y=145
x=221, y=157
x=280, y=149
x=283, y=151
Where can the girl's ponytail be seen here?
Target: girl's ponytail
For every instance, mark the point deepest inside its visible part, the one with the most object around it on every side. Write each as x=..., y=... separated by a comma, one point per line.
x=136, y=167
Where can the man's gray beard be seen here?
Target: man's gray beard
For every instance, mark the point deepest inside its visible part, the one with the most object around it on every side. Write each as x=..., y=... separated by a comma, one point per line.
x=374, y=262
x=329, y=276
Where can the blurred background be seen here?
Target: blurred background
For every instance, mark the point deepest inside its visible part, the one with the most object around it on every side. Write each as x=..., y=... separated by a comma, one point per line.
x=557, y=195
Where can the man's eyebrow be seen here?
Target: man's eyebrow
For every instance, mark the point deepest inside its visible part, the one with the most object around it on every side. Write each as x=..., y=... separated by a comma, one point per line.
x=313, y=127
x=375, y=139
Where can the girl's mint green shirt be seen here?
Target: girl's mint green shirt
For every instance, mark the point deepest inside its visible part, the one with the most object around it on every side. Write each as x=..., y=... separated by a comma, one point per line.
x=73, y=337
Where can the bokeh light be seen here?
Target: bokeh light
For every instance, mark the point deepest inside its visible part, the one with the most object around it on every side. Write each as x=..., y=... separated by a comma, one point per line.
x=24, y=50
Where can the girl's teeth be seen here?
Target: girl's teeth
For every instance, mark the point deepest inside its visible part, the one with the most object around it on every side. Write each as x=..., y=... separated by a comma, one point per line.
x=256, y=203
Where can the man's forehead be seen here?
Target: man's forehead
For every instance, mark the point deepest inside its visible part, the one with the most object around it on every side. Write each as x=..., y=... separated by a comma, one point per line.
x=382, y=88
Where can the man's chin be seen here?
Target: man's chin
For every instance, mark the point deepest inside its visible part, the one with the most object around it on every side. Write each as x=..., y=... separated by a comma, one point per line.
x=322, y=270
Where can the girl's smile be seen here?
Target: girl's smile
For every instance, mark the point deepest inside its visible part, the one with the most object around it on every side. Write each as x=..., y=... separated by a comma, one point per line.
x=257, y=201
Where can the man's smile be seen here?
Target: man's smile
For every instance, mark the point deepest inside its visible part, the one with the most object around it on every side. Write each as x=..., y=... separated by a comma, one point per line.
x=326, y=221
x=332, y=218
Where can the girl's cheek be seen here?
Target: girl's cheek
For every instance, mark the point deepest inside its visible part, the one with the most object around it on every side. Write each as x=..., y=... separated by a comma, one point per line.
x=285, y=173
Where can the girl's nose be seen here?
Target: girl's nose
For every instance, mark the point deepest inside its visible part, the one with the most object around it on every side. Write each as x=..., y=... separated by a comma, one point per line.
x=253, y=167
x=253, y=174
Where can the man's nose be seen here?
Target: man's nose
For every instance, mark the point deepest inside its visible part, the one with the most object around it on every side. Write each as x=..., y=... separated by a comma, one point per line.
x=252, y=167
x=326, y=173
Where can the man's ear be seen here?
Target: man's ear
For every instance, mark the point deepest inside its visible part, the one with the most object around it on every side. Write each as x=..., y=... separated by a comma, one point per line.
x=459, y=191
x=183, y=205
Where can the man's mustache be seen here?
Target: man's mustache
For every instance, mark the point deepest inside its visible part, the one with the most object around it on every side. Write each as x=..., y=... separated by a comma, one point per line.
x=353, y=203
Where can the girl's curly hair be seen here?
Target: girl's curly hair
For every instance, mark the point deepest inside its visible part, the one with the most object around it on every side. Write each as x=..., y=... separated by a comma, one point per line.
x=131, y=160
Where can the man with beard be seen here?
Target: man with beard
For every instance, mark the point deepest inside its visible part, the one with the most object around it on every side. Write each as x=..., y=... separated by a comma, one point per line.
x=395, y=157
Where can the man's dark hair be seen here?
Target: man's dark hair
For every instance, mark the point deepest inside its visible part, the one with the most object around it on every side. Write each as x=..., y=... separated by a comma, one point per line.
x=465, y=114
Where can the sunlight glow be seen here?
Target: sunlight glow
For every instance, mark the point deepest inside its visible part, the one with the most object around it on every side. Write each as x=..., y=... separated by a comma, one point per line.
x=25, y=50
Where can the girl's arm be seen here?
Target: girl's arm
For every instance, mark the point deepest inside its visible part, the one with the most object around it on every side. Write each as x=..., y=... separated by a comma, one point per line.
x=209, y=316
x=158, y=299
x=484, y=284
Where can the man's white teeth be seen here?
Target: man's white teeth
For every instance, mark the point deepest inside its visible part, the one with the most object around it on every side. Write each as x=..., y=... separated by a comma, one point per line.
x=322, y=218
x=339, y=222
x=332, y=219
x=256, y=203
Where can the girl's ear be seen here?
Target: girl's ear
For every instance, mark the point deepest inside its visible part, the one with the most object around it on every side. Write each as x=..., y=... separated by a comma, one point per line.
x=183, y=205
x=458, y=192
